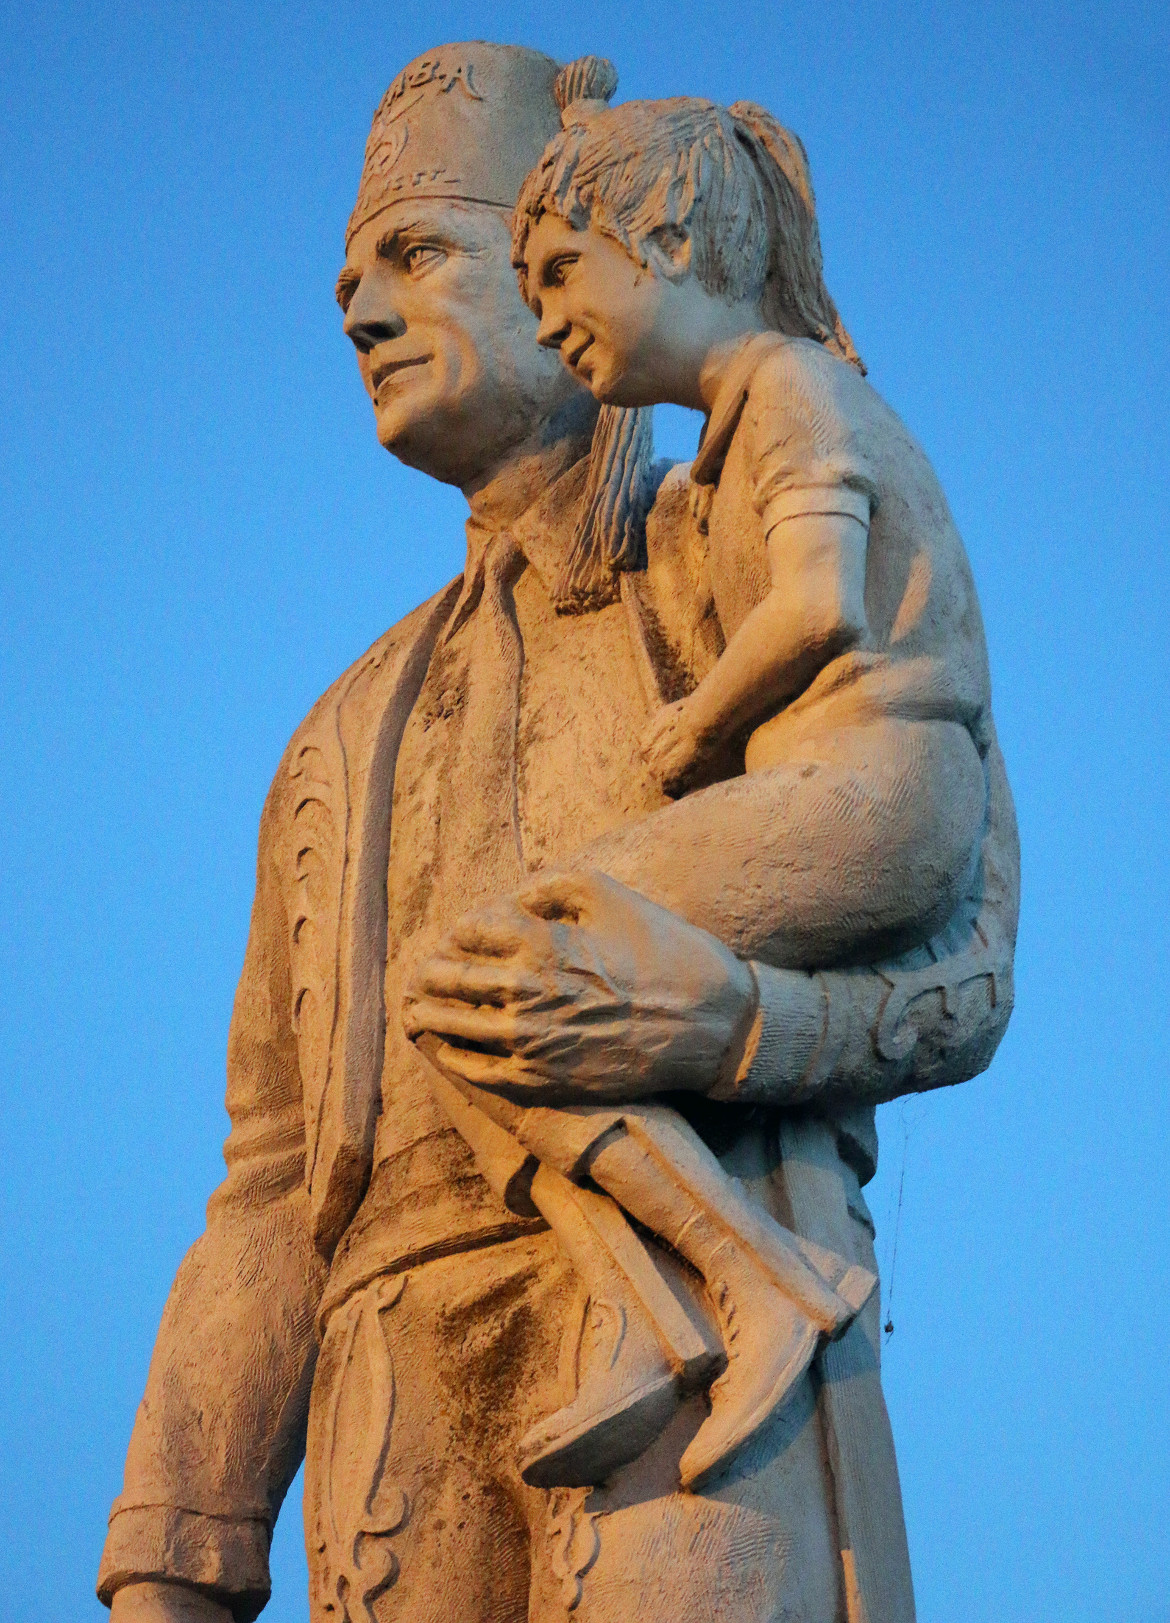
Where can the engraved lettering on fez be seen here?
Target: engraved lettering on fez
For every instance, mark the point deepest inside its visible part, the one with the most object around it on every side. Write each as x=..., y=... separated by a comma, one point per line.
x=461, y=74
x=430, y=71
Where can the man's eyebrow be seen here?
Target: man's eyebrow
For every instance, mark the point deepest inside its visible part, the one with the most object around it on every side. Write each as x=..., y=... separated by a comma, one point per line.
x=406, y=228
x=347, y=282
x=460, y=237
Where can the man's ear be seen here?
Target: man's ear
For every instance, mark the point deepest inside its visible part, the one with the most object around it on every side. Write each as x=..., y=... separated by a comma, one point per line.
x=668, y=250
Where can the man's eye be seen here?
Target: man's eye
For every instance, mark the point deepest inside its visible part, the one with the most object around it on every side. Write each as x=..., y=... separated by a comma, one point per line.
x=421, y=255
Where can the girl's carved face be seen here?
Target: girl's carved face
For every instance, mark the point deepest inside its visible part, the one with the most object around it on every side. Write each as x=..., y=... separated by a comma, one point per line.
x=633, y=334
x=613, y=321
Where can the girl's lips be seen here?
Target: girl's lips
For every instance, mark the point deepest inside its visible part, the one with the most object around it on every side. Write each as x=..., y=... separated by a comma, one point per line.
x=573, y=356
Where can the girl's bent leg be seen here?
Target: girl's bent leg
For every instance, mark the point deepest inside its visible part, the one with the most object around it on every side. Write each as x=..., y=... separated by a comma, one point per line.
x=862, y=847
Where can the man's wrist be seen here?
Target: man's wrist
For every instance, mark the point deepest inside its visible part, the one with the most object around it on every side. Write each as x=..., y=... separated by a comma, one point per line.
x=171, y=1564
x=745, y=1039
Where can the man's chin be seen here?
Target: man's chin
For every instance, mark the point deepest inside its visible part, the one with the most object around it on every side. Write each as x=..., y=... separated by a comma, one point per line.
x=596, y=379
x=394, y=421
x=402, y=431
x=412, y=433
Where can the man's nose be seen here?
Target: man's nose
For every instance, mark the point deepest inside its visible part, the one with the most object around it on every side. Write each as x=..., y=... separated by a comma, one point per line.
x=554, y=325
x=372, y=317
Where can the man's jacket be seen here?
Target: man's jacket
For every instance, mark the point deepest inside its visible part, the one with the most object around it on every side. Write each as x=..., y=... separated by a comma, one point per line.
x=220, y=1432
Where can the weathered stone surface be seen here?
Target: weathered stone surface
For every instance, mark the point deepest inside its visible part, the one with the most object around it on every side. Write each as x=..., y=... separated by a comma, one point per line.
x=597, y=905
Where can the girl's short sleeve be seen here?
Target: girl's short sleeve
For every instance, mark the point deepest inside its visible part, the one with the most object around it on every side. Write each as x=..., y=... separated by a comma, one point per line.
x=807, y=453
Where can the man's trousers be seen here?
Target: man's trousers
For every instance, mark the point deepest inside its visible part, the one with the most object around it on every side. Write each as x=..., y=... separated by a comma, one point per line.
x=414, y=1507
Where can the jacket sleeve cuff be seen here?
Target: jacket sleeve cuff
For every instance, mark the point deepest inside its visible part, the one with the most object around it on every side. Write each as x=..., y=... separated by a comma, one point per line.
x=783, y=1041
x=161, y=1543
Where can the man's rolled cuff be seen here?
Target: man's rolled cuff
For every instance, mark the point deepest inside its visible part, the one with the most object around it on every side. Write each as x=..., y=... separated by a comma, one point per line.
x=218, y=1555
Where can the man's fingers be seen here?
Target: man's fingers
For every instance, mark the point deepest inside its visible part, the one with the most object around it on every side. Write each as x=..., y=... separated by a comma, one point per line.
x=499, y=982
x=498, y=1073
x=467, y=1022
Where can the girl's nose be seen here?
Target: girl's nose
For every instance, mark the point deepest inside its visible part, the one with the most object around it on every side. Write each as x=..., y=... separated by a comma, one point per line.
x=554, y=325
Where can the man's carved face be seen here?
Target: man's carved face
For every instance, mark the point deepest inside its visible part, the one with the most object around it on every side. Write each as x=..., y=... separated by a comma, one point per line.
x=446, y=346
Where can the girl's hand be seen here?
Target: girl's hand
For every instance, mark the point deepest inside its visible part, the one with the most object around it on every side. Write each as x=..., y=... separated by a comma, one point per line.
x=673, y=747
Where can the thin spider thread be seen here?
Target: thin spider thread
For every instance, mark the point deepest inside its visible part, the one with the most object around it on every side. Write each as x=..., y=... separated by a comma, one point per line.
x=888, y=1326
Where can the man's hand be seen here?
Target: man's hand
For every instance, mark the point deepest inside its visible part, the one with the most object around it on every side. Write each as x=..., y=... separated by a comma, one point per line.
x=579, y=990
x=166, y=1603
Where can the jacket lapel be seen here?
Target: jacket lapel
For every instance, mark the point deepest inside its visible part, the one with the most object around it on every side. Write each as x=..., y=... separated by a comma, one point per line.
x=343, y=774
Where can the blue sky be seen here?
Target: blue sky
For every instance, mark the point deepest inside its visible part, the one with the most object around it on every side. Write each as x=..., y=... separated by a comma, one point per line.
x=199, y=531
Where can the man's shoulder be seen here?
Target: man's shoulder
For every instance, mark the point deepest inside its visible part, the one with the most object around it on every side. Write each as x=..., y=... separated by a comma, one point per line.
x=378, y=661
x=315, y=754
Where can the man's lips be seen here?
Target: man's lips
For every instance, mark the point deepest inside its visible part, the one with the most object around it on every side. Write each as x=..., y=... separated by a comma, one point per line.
x=385, y=370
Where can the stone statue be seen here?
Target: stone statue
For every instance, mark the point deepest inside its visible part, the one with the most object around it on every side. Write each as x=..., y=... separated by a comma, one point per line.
x=597, y=906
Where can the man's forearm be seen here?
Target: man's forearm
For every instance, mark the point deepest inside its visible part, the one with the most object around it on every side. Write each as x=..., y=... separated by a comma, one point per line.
x=723, y=860
x=928, y=1019
x=220, y=1432
x=866, y=1035
x=166, y=1603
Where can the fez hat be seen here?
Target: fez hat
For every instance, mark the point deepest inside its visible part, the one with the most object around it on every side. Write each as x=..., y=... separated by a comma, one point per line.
x=462, y=121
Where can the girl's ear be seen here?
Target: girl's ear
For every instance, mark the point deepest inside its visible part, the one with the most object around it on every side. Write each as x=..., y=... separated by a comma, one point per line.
x=668, y=251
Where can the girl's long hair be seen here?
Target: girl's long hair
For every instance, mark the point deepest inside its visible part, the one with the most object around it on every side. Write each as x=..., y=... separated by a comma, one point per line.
x=610, y=537
x=796, y=298
x=738, y=184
